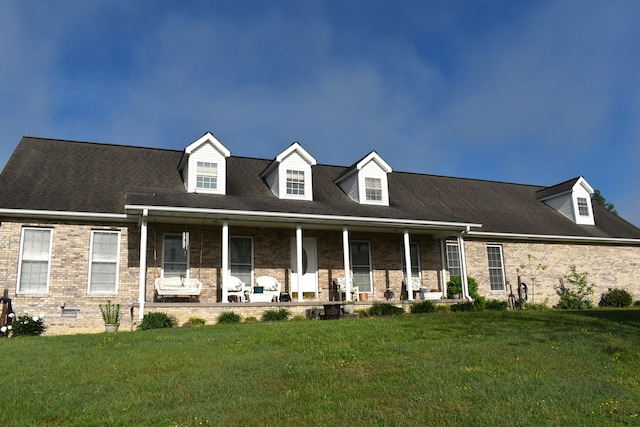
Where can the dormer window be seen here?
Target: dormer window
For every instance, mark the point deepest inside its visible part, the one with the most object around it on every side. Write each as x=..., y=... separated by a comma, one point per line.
x=373, y=189
x=295, y=182
x=572, y=199
x=583, y=207
x=207, y=175
x=204, y=166
x=365, y=181
x=289, y=174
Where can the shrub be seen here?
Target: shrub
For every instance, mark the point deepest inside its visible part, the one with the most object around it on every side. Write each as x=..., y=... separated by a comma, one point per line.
x=157, y=320
x=455, y=286
x=250, y=319
x=636, y=304
x=464, y=306
x=575, y=294
x=299, y=317
x=422, y=307
x=384, y=309
x=276, y=315
x=494, y=304
x=26, y=325
x=228, y=317
x=615, y=298
x=537, y=306
x=194, y=322
x=443, y=309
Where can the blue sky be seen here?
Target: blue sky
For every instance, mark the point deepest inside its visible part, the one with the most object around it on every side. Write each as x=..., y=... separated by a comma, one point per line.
x=532, y=92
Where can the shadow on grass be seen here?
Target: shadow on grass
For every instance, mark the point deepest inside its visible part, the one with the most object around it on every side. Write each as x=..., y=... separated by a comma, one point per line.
x=627, y=316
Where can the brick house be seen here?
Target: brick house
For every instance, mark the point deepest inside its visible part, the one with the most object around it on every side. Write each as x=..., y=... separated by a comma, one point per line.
x=83, y=223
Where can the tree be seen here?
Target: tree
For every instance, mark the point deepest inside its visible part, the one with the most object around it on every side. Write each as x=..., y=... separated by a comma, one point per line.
x=599, y=199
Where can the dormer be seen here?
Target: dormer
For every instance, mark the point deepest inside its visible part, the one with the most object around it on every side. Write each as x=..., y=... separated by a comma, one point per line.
x=289, y=174
x=204, y=166
x=365, y=182
x=572, y=199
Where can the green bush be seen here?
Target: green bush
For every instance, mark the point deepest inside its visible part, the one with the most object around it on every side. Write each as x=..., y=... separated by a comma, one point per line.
x=537, y=306
x=443, y=309
x=464, y=306
x=276, y=315
x=26, y=325
x=494, y=304
x=229, y=317
x=575, y=294
x=422, y=307
x=455, y=286
x=194, y=322
x=615, y=298
x=250, y=319
x=110, y=313
x=384, y=309
x=157, y=320
x=636, y=304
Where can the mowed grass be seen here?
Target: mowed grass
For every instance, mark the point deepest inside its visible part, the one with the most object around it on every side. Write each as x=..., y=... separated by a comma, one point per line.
x=476, y=369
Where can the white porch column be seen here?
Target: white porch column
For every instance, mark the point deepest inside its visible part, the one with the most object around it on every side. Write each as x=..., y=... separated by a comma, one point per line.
x=443, y=271
x=463, y=267
x=143, y=263
x=224, y=271
x=347, y=260
x=407, y=267
x=299, y=272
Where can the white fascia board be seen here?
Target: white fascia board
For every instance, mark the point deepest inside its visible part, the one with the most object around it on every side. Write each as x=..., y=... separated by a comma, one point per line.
x=66, y=215
x=208, y=137
x=285, y=216
x=297, y=148
x=376, y=158
x=583, y=182
x=553, y=238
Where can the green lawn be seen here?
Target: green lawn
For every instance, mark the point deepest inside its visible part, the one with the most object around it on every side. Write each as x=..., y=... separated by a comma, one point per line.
x=480, y=368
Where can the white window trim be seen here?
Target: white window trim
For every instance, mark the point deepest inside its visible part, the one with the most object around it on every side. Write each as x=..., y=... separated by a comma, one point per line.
x=370, y=265
x=252, y=256
x=504, y=281
x=379, y=190
x=164, y=235
x=115, y=292
x=448, y=259
x=303, y=194
x=402, y=261
x=207, y=175
x=20, y=258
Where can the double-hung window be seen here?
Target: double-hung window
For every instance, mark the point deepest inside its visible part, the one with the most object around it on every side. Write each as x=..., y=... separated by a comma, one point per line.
x=373, y=189
x=414, y=253
x=496, y=269
x=175, y=259
x=453, y=260
x=35, y=259
x=207, y=175
x=295, y=182
x=103, y=268
x=361, y=265
x=241, y=258
x=583, y=206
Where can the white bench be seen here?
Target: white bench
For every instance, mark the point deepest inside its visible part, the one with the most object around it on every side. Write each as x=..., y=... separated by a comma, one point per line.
x=178, y=287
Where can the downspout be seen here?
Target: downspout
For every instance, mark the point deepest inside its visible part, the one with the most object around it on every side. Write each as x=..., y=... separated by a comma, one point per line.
x=463, y=265
x=346, y=260
x=225, y=261
x=143, y=263
x=407, y=266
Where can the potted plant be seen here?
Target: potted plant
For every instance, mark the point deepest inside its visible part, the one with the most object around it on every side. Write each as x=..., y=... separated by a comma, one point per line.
x=454, y=287
x=111, y=316
x=348, y=307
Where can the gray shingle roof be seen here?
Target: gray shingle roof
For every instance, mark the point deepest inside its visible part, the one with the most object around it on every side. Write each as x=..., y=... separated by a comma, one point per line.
x=55, y=175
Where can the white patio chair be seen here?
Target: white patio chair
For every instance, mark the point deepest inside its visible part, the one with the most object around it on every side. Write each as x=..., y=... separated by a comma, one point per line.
x=270, y=286
x=342, y=288
x=236, y=287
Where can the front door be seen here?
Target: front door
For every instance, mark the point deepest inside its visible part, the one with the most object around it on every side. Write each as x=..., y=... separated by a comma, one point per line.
x=309, y=266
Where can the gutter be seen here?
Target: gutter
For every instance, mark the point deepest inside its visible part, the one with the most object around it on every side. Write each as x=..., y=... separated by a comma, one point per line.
x=287, y=216
x=67, y=215
x=554, y=238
